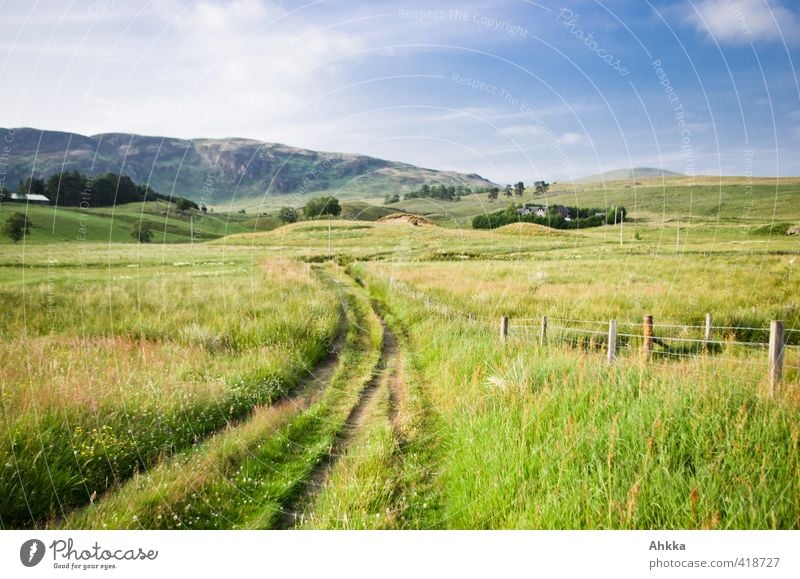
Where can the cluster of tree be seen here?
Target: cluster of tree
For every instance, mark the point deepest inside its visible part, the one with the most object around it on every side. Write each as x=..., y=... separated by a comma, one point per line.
x=321, y=206
x=16, y=226
x=389, y=199
x=288, y=214
x=518, y=189
x=440, y=192
x=565, y=218
x=72, y=189
x=313, y=209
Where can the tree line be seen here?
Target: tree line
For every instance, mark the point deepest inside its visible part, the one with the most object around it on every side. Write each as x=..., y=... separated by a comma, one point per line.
x=74, y=189
x=439, y=191
x=556, y=217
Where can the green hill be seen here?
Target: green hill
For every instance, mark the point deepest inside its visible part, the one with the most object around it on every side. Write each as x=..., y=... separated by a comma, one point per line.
x=114, y=224
x=232, y=172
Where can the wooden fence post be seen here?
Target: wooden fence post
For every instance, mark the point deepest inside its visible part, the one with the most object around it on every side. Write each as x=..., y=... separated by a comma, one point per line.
x=612, y=340
x=776, y=342
x=707, y=333
x=647, y=346
x=543, y=333
x=503, y=328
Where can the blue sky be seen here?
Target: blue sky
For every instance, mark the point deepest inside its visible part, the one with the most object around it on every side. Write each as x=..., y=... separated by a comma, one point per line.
x=508, y=89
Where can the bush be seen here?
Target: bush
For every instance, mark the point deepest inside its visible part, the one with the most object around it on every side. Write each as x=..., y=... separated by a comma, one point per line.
x=320, y=206
x=142, y=232
x=16, y=227
x=288, y=214
x=182, y=204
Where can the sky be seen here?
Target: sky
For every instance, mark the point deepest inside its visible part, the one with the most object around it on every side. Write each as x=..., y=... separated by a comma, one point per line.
x=511, y=90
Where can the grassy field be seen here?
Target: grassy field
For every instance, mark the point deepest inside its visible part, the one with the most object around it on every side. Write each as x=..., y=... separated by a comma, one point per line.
x=106, y=370
x=194, y=385
x=114, y=224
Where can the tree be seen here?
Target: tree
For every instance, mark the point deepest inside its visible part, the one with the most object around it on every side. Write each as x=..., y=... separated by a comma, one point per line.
x=615, y=215
x=507, y=191
x=288, y=214
x=17, y=226
x=541, y=187
x=389, y=199
x=182, y=204
x=142, y=232
x=319, y=206
x=493, y=193
x=519, y=188
x=32, y=186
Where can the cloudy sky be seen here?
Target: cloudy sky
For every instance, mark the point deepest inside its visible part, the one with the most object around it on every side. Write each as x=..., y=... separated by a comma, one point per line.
x=509, y=89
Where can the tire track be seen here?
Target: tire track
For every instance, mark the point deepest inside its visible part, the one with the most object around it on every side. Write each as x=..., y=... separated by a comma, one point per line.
x=295, y=400
x=386, y=375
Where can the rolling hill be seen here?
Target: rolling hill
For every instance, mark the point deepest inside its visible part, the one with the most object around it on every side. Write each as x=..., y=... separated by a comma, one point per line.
x=628, y=175
x=218, y=171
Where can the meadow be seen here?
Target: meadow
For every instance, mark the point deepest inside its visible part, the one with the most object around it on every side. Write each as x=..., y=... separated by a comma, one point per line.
x=203, y=385
x=107, y=368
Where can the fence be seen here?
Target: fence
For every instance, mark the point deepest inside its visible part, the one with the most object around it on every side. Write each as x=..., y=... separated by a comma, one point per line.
x=587, y=332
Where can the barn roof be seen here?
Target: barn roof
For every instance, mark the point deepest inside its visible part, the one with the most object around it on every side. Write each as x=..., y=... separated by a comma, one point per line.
x=30, y=197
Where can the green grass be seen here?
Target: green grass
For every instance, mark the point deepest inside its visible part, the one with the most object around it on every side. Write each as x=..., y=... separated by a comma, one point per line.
x=56, y=225
x=554, y=437
x=246, y=476
x=121, y=357
x=107, y=376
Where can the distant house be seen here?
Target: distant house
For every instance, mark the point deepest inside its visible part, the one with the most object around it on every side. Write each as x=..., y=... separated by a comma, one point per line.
x=562, y=211
x=529, y=209
x=33, y=199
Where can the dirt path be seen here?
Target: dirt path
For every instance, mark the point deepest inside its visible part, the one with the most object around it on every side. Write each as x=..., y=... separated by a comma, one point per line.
x=387, y=375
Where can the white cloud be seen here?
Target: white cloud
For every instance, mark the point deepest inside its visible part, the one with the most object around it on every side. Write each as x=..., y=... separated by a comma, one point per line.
x=573, y=139
x=742, y=21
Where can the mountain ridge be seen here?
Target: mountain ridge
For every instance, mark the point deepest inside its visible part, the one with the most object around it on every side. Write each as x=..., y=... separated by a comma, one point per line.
x=215, y=170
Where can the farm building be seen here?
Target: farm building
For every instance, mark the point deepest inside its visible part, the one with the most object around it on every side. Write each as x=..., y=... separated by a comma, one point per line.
x=562, y=211
x=538, y=210
x=33, y=198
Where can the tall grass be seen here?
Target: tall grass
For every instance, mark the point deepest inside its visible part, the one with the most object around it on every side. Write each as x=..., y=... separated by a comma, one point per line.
x=247, y=476
x=101, y=381
x=554, y=437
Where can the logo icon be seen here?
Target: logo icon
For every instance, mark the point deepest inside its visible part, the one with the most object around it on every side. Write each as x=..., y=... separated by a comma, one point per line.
x=31, y=553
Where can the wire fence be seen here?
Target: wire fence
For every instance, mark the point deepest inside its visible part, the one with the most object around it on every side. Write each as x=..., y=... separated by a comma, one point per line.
x=656, y=340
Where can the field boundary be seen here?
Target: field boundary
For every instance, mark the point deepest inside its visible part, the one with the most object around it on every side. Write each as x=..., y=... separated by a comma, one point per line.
x=675, y=341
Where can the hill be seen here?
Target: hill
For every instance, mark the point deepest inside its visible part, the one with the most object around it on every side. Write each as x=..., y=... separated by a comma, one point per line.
x=232, y=171
x=114, y=224
x=633, y=174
